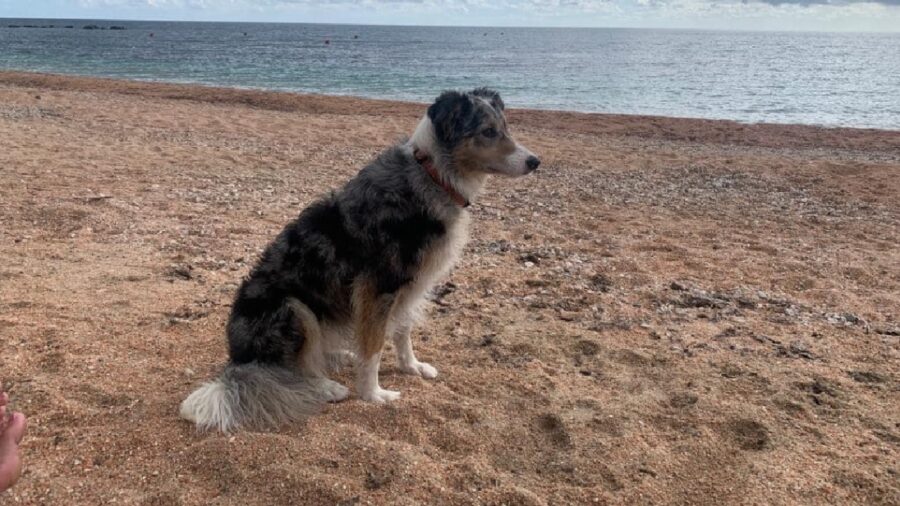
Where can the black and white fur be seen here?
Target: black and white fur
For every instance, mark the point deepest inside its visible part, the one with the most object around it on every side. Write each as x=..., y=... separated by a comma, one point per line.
x=354, y=268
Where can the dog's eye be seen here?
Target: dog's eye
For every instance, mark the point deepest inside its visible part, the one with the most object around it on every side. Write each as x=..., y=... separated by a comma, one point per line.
x=490, y=133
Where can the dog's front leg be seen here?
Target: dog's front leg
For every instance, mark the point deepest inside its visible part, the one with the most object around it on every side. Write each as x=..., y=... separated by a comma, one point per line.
x=372, y=312
x=407, y=358
x=403, y=317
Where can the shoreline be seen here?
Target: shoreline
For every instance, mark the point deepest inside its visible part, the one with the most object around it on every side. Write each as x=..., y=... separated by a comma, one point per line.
x=668, y=127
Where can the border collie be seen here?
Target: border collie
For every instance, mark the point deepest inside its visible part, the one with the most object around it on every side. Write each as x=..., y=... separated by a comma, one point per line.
x=354, y=268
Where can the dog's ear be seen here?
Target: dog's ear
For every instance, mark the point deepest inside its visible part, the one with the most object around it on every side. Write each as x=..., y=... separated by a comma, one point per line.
x=491, y=96
x=453, y=118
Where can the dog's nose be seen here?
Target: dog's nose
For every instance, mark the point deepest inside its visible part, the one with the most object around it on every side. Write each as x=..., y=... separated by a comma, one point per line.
x=532, y=162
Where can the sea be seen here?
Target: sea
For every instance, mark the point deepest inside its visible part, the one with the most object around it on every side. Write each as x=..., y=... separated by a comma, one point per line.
x=831, y=79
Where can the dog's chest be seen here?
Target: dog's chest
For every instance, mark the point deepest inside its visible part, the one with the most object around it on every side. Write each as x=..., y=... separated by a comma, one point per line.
x=442, y=254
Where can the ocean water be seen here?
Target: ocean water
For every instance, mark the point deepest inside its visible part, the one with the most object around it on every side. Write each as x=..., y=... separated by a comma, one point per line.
x=834, y=79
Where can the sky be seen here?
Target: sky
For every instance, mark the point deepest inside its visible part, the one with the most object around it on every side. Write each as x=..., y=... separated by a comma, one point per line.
x=821, y=15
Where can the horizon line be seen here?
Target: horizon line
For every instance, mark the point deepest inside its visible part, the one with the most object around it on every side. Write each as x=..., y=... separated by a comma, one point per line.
x=669, y=28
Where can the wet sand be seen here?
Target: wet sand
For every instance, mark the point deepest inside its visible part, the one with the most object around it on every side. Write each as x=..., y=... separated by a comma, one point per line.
x=670, y=311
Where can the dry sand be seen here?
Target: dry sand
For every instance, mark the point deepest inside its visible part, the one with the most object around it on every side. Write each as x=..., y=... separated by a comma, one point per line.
x=669, y=311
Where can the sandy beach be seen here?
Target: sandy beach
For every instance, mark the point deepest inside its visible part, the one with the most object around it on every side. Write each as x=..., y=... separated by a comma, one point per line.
x=669, y=311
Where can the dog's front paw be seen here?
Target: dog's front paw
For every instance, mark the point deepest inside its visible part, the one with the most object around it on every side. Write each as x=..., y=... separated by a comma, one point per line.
x=380, y=395
x=422, y=369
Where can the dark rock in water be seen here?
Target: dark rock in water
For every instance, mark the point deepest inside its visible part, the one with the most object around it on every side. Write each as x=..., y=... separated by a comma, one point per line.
x=90, y=27
x=116, y=27
x=13, y=26
x=69, y=26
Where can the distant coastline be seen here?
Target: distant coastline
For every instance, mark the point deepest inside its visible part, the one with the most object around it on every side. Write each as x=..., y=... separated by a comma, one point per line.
x=68, y=26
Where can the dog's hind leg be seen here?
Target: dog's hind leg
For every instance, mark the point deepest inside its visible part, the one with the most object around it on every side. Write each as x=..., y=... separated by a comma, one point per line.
x=403, y=318
x=312, y=360
x=371, y=314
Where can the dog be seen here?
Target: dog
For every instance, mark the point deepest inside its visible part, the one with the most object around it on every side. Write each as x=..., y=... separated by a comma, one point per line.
x=355, y=268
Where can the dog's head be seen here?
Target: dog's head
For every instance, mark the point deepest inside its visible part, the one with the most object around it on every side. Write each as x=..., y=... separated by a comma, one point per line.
x=471, y=129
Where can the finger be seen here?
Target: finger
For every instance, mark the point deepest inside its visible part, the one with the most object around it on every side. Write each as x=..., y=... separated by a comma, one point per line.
x=16, y=428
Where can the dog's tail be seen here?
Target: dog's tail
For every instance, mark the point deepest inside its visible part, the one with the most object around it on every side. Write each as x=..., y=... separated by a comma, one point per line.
x=251, y=395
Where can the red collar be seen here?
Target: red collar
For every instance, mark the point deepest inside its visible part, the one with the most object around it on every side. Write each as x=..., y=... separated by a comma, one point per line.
x=425, y=161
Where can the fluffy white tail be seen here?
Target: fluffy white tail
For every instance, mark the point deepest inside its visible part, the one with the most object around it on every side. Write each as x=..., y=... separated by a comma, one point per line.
x=251, y=396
